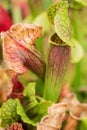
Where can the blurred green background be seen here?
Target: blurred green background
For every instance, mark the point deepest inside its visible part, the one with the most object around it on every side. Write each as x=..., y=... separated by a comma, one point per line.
x=34, y=11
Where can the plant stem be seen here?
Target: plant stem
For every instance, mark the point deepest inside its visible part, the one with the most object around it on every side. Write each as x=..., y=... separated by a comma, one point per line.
x=58, y=60
x=78, y=35
x=16, y=14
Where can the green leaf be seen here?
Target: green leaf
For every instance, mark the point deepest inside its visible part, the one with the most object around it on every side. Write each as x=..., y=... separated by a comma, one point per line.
x=46, y=4
x=58, y=15
x=77, y=52
x=39, y=111
x=22, y=114
x=83, y=2
x=75, y=5
x=36, y=106
x=29, y=92
x=8, y=113
x=42, y=20
x=82, y=125
x=16, y=18
x=52, y=11
x=63, y=24
x=79, y=26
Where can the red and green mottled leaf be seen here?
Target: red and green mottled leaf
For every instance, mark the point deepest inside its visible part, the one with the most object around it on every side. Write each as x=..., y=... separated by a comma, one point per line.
x=52, y=11
x=19, y=50
x=62, y=24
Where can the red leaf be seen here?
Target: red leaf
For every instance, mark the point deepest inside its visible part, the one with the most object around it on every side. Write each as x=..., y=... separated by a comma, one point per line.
x=19, y=50
x=5, y=20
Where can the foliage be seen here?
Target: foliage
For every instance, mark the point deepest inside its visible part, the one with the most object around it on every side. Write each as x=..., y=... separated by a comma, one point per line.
x=44, y=48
